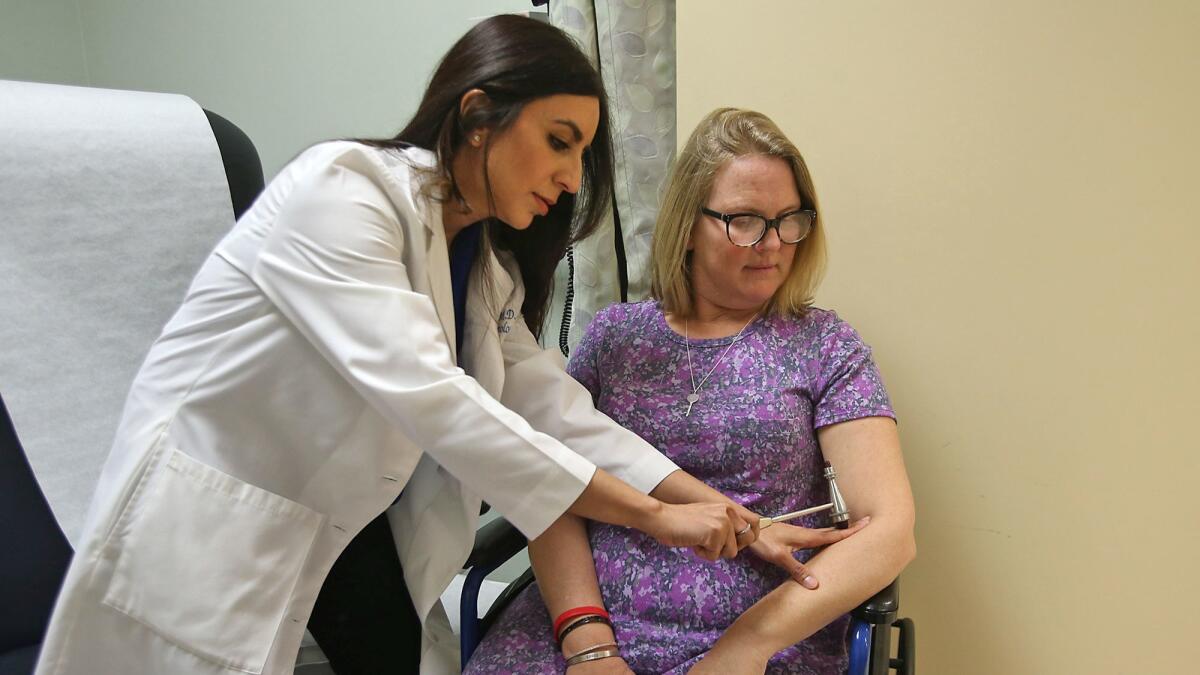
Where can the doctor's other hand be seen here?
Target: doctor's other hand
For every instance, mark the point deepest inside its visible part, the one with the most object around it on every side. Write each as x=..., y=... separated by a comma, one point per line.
x=706, y=528
x=779, y=543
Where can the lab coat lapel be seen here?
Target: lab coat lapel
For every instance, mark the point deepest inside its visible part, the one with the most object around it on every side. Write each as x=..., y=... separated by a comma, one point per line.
x=405, y=185
x=489, y=318
x=437, y=265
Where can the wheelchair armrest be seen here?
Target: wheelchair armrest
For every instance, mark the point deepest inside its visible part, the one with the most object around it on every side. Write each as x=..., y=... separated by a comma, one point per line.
x=494, y=543
x=881, y=608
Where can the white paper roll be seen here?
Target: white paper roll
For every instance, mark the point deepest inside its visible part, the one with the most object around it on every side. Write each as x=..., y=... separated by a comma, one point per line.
x=109, y=202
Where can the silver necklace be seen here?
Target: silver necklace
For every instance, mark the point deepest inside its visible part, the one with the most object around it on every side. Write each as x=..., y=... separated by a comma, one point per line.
x=695, y=395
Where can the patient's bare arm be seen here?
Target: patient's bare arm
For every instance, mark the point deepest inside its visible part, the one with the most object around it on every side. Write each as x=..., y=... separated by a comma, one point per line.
x=566, y=574
x=872, y=478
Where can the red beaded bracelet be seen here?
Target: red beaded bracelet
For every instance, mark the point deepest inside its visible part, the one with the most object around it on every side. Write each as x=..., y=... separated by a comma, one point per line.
x=575, y=613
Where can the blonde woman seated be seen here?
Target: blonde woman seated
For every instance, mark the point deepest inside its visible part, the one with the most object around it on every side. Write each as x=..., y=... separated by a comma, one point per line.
x=732, y=374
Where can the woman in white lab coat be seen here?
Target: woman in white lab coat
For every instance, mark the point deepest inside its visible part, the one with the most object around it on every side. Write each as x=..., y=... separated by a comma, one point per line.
x=325, y=368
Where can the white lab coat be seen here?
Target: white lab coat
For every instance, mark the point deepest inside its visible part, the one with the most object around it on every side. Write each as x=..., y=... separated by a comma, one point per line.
x=308, y=377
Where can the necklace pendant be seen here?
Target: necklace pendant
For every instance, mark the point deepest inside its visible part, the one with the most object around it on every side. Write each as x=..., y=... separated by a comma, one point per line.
x=691, y=400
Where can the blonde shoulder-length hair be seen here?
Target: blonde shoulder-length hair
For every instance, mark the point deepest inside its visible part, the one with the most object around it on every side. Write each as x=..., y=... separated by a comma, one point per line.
x=723, y=135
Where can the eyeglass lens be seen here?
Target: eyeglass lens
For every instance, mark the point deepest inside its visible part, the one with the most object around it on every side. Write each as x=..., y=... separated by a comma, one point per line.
x=748, y=230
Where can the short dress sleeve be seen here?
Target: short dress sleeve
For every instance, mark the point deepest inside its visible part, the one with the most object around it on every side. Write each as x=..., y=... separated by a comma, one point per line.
x=584, y=364
x=850, y=385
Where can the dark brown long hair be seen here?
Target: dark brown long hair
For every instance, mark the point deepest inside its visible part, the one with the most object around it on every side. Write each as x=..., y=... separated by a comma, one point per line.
x=515, y=60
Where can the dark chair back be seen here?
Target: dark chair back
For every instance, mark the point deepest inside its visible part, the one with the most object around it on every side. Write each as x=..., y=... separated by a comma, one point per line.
x=243, y=170
x=35, y=554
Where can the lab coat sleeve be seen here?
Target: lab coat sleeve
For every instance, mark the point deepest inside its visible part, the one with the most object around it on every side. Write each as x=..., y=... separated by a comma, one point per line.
x=563, y=408
x=333, y=265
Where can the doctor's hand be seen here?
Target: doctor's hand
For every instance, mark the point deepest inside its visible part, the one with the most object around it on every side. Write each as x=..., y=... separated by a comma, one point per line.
x=707, y=528
x=746, y=537
x=779, y=543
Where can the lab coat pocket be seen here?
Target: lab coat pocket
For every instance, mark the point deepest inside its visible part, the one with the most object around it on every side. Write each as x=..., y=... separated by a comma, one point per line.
x=209, y=562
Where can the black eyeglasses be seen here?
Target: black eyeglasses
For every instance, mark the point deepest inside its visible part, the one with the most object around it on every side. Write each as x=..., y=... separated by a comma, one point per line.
x=747, y=229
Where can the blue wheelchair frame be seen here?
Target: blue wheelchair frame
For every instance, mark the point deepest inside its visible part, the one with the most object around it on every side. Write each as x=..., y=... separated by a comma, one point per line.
x=869, y=638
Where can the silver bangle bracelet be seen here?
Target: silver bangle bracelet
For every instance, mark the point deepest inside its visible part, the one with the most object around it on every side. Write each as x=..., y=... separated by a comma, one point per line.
x=592, y=656
x=592, y=648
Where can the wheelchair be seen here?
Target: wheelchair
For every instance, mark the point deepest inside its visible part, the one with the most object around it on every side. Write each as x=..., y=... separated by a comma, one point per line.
x=869, y=639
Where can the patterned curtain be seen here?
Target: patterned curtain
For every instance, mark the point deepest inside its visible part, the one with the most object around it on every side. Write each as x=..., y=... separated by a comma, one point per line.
x=632, y=42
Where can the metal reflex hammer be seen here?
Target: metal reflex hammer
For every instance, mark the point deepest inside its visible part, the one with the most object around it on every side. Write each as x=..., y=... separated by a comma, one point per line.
x=839, y=515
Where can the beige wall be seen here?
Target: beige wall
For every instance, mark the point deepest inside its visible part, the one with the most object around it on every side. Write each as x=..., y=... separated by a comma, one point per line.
x=1010, y=195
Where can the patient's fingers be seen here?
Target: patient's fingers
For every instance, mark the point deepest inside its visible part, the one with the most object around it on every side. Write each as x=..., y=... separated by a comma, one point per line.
x=801, y=574
x=782, y=556
x=802, y=537
x=779, y=544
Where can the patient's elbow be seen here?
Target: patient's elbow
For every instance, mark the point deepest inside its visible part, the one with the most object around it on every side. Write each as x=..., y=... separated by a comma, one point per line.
x=909, y=550
x=906, y=546
x=901, y=540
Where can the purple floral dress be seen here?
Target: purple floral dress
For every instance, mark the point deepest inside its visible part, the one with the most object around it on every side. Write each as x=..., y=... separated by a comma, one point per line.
x=751, y=435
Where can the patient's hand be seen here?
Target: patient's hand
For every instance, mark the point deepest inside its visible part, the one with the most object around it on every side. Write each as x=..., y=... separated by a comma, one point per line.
x=778, y=543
